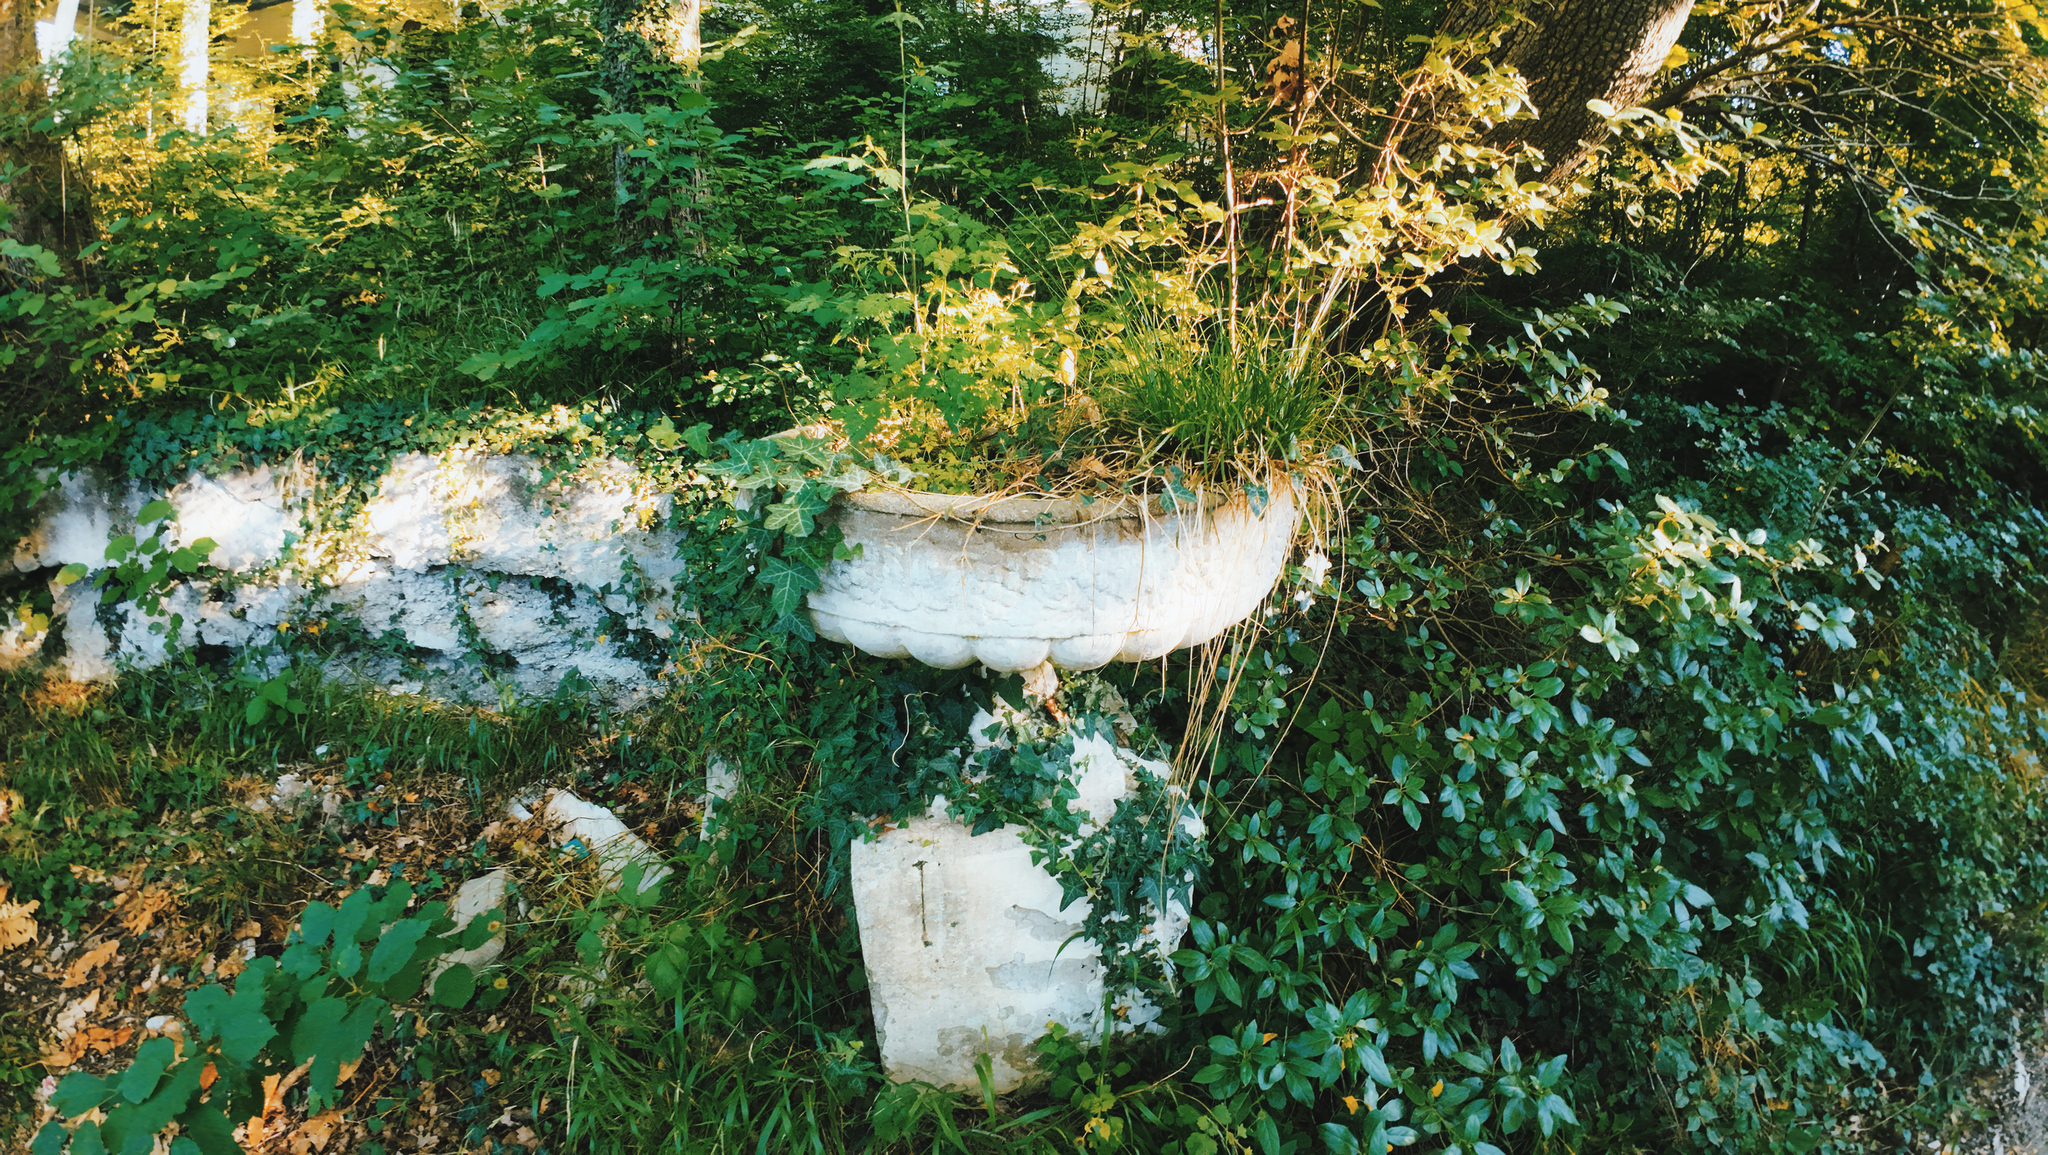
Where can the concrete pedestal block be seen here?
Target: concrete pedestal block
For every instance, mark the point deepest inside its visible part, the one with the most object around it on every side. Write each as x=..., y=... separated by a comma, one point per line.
x=970, y=948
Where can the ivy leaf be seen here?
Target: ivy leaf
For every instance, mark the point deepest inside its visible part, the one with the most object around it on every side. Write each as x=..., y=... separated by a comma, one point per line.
x=792, y=517
x=789, y=582
x=750, y=464
x=698, y=438
x=663, y=436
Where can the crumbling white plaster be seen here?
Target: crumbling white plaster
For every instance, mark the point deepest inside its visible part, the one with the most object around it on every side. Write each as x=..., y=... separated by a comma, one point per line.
x=969, y=949
x=246, y=514
x=1013, y=583
x=496, y=576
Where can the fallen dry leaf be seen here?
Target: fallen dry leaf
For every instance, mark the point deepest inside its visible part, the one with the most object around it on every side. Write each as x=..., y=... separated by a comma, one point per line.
x=231, y=965
x=105, y=1040
x=74, y=1015
x=312, y=1135
x=16, y=927
x=140, y=909
x=85, y=964
x=274, y=1088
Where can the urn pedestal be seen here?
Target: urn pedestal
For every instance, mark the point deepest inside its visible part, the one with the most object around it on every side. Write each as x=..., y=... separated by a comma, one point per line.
x=971, y=949
x=969, y=946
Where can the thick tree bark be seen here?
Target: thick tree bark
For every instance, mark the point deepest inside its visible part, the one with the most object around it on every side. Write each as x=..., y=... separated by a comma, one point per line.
x=1571, y=52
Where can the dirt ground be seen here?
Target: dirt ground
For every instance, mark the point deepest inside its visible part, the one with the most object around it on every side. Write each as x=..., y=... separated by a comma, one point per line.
x=2018, y=1094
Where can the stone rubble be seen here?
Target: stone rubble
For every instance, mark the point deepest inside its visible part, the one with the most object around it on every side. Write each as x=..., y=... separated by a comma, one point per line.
x=600, y=832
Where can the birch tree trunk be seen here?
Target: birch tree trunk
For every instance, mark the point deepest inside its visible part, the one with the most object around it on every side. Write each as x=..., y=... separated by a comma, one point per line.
x=195, y=42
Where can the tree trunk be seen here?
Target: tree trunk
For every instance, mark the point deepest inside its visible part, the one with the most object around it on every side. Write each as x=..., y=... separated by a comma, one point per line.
x=1571, y=52
x=43, y=203
x=195, y=51
x=633, y=31
x=681, y=33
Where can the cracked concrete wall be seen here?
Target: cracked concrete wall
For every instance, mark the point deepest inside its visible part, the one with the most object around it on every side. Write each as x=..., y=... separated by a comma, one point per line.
x=470, y=575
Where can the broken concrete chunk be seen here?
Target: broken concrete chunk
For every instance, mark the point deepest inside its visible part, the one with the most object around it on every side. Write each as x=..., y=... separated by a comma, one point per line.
x=969, y=947
x=483, y=893
x=962, y=937
x=299, y=795
x=601, y=833
x=721, y=782
x=521, y=807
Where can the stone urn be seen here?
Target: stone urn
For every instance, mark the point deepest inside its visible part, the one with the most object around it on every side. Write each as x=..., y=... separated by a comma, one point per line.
x=1014, y=582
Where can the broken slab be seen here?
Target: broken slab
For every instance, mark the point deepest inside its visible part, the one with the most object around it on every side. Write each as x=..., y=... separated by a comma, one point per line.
x=721, y=782
x=601, y=833
x=970, y=948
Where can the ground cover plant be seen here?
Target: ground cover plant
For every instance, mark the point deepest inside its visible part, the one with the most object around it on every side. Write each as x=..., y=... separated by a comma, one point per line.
x=1641, y=755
